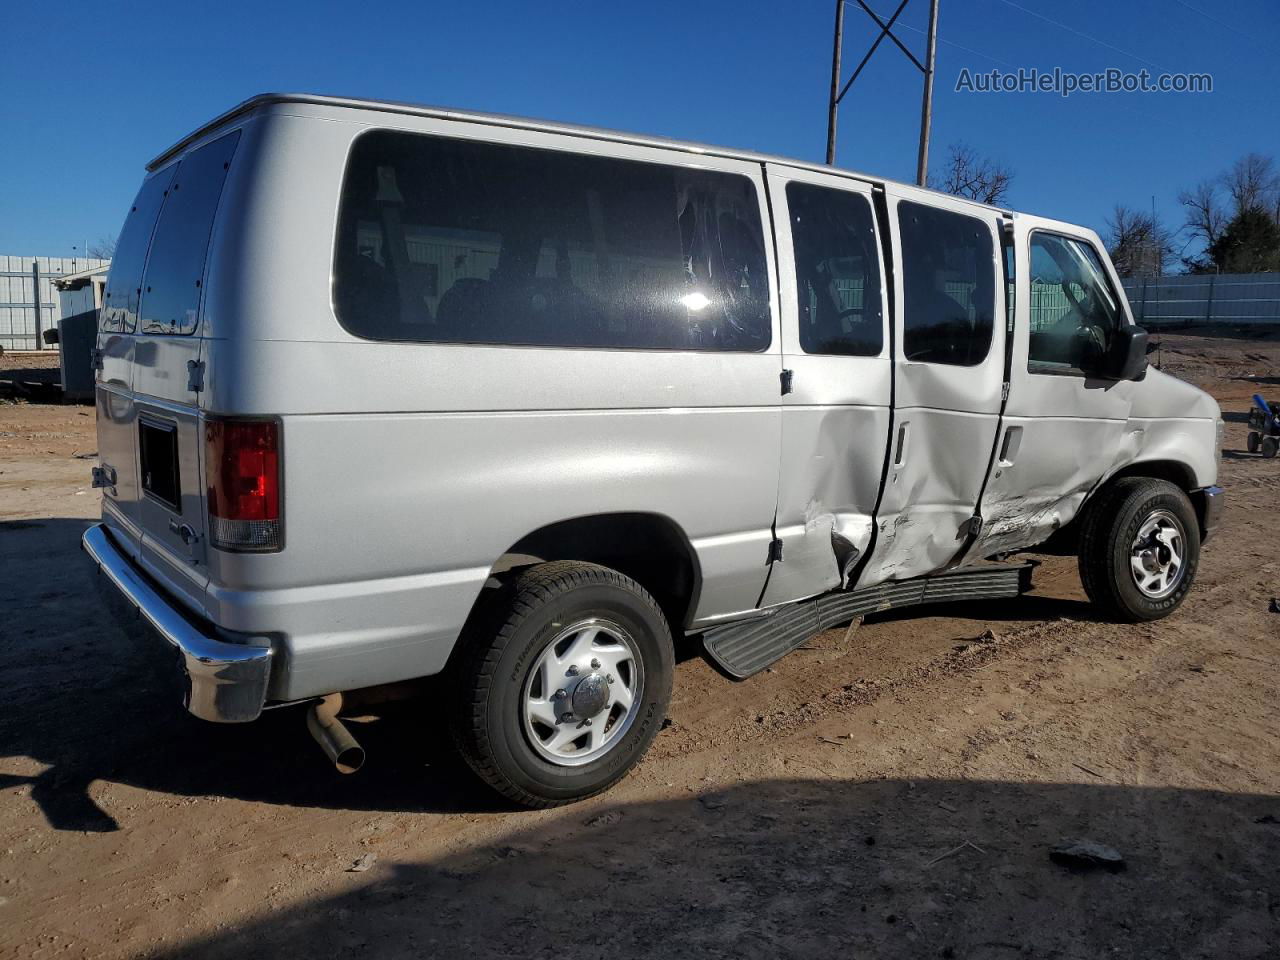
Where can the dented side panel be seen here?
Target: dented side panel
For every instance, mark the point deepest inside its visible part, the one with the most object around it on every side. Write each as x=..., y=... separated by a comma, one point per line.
x=931, y=492
x=1041, y=485
x=832, y=456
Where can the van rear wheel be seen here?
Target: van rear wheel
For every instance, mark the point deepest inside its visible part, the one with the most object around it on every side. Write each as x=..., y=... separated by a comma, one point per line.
x=1139, y=549
x=563, y=684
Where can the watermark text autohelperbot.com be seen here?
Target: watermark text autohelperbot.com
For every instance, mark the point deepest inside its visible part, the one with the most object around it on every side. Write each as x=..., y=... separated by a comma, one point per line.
x=1065, y=83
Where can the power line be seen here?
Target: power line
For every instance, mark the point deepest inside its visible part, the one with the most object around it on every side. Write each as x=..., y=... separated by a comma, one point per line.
x=961, y=46
x=1005, y=63
x=1213, y=19
x=1081, y=33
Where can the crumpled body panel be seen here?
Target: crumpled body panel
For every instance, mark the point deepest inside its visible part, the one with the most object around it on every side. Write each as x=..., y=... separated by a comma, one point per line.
x=834, y=433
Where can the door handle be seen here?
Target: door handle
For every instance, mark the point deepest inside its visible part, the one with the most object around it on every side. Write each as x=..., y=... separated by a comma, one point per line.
x=900, y=450
x=1009, y=448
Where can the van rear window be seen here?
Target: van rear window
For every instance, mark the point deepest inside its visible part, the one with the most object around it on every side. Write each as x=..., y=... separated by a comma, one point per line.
x=124, y=281
x=175, y=266
x=458, y=241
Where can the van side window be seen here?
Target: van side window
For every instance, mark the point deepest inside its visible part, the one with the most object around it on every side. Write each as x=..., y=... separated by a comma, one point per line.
x=457, y=241
x=837, y=271
x=119, y=312
x=948, y=285
x=1074, y=311
x=175, y=266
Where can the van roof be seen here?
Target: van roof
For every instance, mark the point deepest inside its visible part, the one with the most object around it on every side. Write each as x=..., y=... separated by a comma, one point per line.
x=523, y=123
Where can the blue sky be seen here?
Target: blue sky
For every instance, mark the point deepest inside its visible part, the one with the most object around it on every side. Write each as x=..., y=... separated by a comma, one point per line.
x=90, y=93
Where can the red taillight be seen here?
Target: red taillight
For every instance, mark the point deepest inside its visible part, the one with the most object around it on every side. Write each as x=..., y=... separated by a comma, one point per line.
x=242, y=470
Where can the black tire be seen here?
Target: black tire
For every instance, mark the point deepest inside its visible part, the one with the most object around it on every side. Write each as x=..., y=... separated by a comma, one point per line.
x=1269, y=446
x=511, y=628
x=1110, y=527
x=1253, y=441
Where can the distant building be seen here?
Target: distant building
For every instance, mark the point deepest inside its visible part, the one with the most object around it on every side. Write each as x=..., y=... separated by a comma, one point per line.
x=81, y=292
x=28, y=303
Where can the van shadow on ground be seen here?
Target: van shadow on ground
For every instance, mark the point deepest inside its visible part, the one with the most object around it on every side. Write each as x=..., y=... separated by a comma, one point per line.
x=91, y=705
x=811, y=868
x=823, y=869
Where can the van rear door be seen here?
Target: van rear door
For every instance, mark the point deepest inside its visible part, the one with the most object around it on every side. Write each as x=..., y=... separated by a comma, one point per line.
x=166, y=372
x=115, y=362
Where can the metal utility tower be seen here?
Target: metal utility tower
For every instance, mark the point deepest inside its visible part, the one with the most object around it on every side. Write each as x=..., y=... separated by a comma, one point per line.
x=926, y=68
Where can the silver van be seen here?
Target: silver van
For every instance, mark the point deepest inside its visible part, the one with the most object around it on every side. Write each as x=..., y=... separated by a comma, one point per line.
x=388, y=391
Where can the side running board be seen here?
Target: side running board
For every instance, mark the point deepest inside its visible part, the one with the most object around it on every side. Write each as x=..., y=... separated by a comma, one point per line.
x=746, y=647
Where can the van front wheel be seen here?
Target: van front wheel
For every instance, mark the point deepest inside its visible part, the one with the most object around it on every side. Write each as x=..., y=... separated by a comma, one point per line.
x=1139, y=549
x=564, y=681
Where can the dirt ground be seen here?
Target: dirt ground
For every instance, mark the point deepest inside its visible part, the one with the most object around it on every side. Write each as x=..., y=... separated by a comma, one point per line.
x=892, y=790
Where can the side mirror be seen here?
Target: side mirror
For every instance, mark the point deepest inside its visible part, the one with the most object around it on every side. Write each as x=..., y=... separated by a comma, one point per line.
x=1127, y=359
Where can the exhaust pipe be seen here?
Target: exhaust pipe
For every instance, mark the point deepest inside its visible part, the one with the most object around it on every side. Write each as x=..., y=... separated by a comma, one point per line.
x=334, y=738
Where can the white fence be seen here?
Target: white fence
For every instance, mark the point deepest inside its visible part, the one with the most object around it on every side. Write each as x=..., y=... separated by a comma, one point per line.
x=28, y=302
x=1229, y=299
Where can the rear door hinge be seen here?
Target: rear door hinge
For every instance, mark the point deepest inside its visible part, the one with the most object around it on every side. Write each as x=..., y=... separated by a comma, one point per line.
x=1004, y=391
x=95, y=358
x=195, y=375
x=104, y=477
x=971, y=527
x=775, y=551
x=787, y=377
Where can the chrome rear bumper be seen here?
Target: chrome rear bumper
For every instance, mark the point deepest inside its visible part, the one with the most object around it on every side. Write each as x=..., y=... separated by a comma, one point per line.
x=226, y=682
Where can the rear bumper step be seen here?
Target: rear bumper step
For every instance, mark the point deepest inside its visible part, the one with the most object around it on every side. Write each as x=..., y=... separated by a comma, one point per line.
x=226, y=682
x=747, y=647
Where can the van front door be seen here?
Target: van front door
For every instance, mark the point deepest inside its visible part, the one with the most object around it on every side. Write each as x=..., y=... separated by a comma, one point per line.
x=1062, y=428
x=835, y=344
x=949, y=377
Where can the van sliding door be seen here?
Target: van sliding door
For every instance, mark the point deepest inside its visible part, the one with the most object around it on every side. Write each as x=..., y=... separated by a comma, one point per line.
x=949, y=375
x=835, y=418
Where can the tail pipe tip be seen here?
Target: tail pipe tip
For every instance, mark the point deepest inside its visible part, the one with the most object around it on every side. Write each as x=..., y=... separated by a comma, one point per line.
x=333, y=736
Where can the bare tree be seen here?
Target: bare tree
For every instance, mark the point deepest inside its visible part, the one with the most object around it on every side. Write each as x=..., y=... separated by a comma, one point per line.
x=967, y=174
x=1139, y=243
x=1206, y=216
x=104, y=248
x=1253, y=184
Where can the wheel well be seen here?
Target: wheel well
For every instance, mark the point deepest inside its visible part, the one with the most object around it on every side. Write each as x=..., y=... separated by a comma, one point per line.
x=1065, y=541
x=1179, y=474
x=647, y=547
